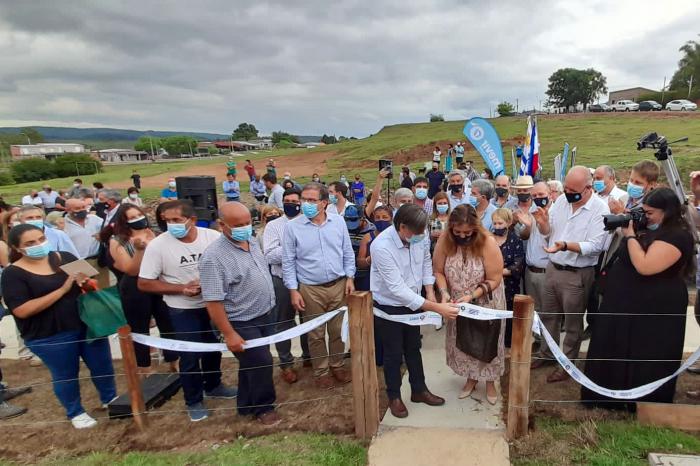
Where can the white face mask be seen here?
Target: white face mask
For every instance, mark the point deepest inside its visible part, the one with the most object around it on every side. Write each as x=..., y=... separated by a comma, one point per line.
x=172, y=184
x=134, y=195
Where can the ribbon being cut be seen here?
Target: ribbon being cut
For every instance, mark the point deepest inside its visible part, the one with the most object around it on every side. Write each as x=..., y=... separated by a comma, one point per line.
x=427, y=318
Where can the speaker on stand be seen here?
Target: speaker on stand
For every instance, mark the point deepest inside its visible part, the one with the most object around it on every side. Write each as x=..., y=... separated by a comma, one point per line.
x=201, y=191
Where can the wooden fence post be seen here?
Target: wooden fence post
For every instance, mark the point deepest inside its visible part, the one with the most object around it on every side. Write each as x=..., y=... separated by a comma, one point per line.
x=138, y=407
x=364, y=368
x=520, y=356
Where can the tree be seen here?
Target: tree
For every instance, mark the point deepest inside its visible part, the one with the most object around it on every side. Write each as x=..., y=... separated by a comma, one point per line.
x=505, y=109
x=328, y=139
x=279, y=136
x=569, y=87
x=33, y=169
x=245, y=132
x=31, y=135
x=435, y=117
x=146, y=143
x=179, y=145
x=688, y=65
x=76, y=165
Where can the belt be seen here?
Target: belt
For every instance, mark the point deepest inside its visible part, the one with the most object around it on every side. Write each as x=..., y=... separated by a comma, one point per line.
x=331, y=283
x=534, y=269
x=569, y=268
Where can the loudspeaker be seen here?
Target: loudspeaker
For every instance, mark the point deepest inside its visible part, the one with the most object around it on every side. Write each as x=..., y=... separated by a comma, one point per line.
x=201, y=191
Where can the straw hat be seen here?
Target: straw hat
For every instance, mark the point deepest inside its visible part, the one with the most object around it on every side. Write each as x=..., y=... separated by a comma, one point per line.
x=523, y=182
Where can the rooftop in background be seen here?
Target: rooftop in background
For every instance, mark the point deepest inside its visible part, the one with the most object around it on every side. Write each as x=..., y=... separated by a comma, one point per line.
x=46, y=150
x=632, y=93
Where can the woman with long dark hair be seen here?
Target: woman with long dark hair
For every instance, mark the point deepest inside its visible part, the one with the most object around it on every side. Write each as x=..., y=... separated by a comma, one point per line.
x=130, y=236
x=640, y=328
x=44, y=302
x=468, y=268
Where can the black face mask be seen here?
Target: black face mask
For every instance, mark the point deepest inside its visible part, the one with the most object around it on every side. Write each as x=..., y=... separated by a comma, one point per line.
x=500, y=231
x=523, y=197
x=270, y=218
x=541, y=201
x=573, y=197
x=456, y=188
x=80, y=215
x=500, y=192
x=141, y=224
x=463, y=241
x=291, y=210
x=435, y=169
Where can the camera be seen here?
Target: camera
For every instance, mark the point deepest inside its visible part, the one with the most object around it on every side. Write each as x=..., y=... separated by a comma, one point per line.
x=389, y=164
x=637, y=215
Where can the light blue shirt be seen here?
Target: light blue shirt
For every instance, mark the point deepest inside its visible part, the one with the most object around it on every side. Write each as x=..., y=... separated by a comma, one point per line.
x=59, y=241
x=257, y=188
x=511, y=203
x=399, y=271
x=454, y=202
x=232, y=189
x=316, y=254
x=486, y=219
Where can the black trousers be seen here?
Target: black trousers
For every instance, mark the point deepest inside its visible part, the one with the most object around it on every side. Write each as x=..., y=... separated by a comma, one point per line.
x=256, y=390
x=400, y=342
x=138, y=308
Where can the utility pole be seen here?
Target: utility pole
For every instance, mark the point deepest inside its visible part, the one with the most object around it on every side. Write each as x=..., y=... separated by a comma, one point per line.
x=150, y=139
x=690, y=86
x=516, y=105
x=663, y=92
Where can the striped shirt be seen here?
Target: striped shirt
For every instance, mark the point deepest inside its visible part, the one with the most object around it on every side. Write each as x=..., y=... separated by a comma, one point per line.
x=238, y=278
x=272, y=244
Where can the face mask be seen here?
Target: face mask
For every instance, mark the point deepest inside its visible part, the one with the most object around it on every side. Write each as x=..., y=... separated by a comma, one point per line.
x=435, y=169
x=333, y=198
x=501, y=192
x=287, y=177
x=500, y=231
x=599, y=186
x=343, y=179
x=242, y=233
x=38, y=251
x=76, y=185
x=653, y=226
x=270, y=218
x=463, y=241
x=421, y=193
x=37, y=223
x=456, y=188
x=635, y=191
x=138, y=223
x=382, y=225
x=309, y=209
x=415, y=239
x=316, y=180
x=573, y=197
x=134, y=195
x=80, y=215
x=291, y=210
x=442, y=208
x=523, y=197
x=178, y=230
x=172, y=184
x=474, y=201
x=541, y=201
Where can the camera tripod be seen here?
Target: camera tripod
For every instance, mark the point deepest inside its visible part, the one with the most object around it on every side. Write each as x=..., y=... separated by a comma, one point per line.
x=665, y=156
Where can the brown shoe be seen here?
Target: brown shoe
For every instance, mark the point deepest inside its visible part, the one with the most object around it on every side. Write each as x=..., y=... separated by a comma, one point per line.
x=342, y=375
x=307, y=363
x=427, y=398
x=558, y=375
x=289, y=375
x=397, y=408
x=270, y=418
x=325, y=382
x=537, y=363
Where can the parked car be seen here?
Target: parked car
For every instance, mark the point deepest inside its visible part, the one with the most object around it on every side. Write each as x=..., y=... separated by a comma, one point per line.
x=625, y=106
x=681, y=105
x=649, y=106
x=599, y=108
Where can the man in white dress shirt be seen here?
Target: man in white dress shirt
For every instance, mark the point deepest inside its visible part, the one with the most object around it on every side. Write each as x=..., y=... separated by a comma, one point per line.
x=576, y=237
x=604, y=185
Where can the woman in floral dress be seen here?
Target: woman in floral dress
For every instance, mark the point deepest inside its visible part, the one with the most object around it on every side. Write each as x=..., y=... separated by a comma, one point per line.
x=466, y=257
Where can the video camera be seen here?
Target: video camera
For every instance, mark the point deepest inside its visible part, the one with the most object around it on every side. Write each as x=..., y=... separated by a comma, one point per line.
x=637, y=215
x=664, y=155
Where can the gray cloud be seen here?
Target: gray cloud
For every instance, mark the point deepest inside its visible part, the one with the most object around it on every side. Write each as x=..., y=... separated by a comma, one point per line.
x=315, y=66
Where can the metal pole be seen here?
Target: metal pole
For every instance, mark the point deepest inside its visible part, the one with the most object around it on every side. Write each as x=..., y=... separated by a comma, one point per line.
x=663, y=92
x=690, y=86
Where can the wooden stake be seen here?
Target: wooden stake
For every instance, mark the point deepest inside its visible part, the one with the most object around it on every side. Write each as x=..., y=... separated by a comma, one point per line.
x=138, y=407
x=365, y=390
x=520, y=356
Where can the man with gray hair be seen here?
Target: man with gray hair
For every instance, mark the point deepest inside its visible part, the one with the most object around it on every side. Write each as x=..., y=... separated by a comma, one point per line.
x=456, y=189
x=112, y=199
x=556, y=189
x=482, y=191
x=604, y=185
x=402, y=196
x=576, y=237
x=318, y=268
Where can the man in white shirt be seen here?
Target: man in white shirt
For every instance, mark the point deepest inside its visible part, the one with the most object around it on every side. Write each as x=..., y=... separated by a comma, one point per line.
x=401, y=265
x=604, y=185
x=337, y=198
x=456, y=187
x=276, y=191
x=83, y=229
x=48, y=198
x=576, y=237
x=170, y=268
x=32, y=199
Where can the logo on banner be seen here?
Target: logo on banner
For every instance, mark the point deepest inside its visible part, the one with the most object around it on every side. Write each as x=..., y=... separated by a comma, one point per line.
x=486, y=141
x=477, y=133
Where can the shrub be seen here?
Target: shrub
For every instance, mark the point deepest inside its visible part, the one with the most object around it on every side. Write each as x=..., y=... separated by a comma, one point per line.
x=434, y=117
x=34, y=169
x=86, y=165
x=6, y=178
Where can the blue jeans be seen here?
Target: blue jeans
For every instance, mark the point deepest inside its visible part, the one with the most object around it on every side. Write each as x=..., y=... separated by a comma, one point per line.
x=62, y=352
x=198, y=371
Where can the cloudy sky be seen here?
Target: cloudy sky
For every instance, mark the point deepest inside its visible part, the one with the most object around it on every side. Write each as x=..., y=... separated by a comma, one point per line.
x=345, y=67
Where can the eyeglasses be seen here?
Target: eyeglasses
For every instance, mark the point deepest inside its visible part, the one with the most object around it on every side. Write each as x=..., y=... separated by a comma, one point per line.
x=313, y=201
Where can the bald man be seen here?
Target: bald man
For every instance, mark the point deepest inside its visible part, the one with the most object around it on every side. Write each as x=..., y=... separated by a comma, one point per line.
x=575, y=238
x=503, y=197
x=239, y=294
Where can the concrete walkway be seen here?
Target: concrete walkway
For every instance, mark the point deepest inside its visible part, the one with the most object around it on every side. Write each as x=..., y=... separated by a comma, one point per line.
x=461, y=432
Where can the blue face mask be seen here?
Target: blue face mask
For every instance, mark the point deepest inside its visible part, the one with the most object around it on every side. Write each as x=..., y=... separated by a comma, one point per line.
x=442, y=208
x=333, y=199
x=37, y=223
x=38, y=251
x=653, y=226
x=243, y=233
x=635, y=191
x=309, y=209
x=382, y=225
x=415, y=239
x=421, y=193
x=178, y=230
x=473, y=201
x=599, y=186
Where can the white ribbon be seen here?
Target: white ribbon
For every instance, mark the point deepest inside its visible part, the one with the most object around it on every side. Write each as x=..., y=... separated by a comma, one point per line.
x=419, y=318
x=195, y=347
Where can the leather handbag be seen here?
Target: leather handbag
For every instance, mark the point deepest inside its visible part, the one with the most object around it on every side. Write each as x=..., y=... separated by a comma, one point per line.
x=479, y=338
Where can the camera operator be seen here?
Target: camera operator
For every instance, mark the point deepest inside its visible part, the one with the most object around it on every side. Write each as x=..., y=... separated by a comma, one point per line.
x=643, y=178
x=647, y=277
x=574, y=230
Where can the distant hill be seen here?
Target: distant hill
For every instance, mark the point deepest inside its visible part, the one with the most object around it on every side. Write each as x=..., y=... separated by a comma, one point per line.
x=57, y=133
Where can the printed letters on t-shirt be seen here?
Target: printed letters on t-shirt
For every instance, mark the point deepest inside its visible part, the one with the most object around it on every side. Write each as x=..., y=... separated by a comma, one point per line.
x=190, y=259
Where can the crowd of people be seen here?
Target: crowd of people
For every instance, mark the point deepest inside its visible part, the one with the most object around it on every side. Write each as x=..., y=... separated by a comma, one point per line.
x=446, y=236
